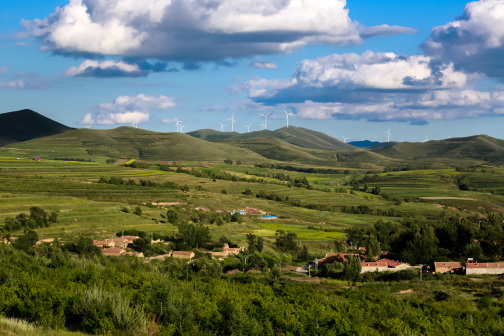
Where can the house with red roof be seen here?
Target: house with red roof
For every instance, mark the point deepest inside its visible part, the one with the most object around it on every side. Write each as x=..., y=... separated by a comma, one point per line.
x=485, y=268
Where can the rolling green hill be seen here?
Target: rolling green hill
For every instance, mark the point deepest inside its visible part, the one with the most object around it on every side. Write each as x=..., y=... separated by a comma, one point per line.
x=25, y=125
x=472, y=150
x=298, y=136
x=132, y=143
x=277, y=149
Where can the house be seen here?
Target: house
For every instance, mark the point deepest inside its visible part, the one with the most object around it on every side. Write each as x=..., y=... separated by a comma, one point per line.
x=448, y=267
x=374, y=266
x=384, y=265
x=113, y=252
x=485, y=268
x=183, y=254
x=47, y=240
x=394, y=265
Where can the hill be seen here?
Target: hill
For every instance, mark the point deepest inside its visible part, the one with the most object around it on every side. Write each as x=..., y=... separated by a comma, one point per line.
x=471, y=150
x=298, y=136
x=131, y=143
x=25, y=125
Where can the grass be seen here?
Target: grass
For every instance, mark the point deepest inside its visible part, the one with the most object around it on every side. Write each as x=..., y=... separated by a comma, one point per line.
x=17, y=327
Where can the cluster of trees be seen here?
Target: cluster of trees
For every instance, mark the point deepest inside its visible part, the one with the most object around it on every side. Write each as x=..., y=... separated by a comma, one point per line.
x=303, y=169
x=422, y=242
x=230, y=162
x=181, y=215
x=38, y=218
x=74, y=159
x=143, y=183
x=365, y=210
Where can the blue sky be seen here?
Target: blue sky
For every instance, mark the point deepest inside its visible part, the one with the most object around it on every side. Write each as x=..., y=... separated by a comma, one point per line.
x=419, y=68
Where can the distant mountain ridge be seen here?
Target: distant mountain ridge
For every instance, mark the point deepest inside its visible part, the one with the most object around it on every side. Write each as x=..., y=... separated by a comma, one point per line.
x=25, y=125
x=29, y=133
x=363, y=144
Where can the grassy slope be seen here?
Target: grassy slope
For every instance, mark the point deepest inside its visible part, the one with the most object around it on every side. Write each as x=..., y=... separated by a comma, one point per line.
x=298, y=136
x=473, y=150
x=128, y=142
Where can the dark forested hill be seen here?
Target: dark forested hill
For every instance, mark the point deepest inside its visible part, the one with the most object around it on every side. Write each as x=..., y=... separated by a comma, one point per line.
x=26, y=125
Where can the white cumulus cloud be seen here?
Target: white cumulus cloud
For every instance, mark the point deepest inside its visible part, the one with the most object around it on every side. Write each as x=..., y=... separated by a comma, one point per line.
x=474, y=42
x=128, y=109
x=197, y=30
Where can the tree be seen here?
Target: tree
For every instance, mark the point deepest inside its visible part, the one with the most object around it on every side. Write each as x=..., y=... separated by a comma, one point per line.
x=352, y=270
x=473, y=250
x=26, y=241
x=285, y=241
x=228, y=162
x=339, y=245
x=138, y=211
x=260, y=244
x=372, y=247
x=252, y=243
x=304, y=255
x=193, y=235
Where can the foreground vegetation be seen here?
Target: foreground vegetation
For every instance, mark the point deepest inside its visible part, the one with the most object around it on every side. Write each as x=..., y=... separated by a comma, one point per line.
x=128, y=296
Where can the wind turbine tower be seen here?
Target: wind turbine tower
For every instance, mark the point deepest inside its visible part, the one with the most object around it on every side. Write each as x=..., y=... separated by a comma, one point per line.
x=232, y=122
x=388, y=135
x=287, y=117
x=177, y=125
x=266, y=120
x=248, y=128
x=345, y=139
x=222, y=127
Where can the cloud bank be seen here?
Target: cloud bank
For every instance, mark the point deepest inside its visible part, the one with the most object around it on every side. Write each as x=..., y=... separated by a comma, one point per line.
x=198, y=30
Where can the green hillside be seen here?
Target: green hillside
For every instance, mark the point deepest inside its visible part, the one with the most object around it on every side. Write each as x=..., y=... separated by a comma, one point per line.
x=472, y=150
x=298, y=136
x=129, y=142
x=277, y=149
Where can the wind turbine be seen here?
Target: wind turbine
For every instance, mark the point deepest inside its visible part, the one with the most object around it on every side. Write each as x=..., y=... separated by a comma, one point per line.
x=426, y=139
x=266, y=120
x=248, y=128
x=262, y=125
x=181, y=128
x=136, y=123
x=388, y=135
x=222, y=127
x=89, y=126
x=232, y=122
x=345, y=139
x=287, y=118
x=177, y=124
